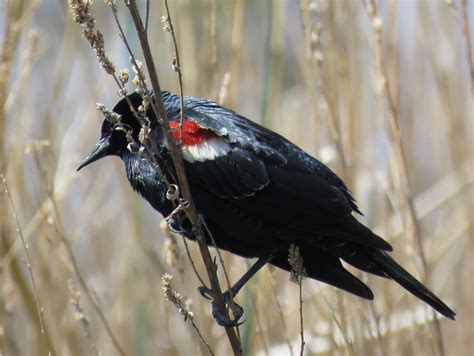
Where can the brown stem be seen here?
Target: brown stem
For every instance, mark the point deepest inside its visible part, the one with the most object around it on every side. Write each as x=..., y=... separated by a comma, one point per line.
x=467, y=40
x=213, y=39
x=60, y=231
x=300, y=282
x=180, y=172
x=406, y=193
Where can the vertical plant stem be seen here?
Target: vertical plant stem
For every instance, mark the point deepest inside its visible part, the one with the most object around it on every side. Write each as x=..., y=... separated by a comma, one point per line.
x=236, y=47
x=181, y=173
x=213, y=39
x=320, y=99
x=408, y=210
x=280, y=313
x=467, y=40
x=26, y=250
x=62, y=235
x=315, y=85
x=180, y=77
x=25, y=292
x=301, y=316
x=39, y=310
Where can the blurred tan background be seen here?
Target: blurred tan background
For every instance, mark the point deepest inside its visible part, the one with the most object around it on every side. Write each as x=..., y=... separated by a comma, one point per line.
x=310, y=70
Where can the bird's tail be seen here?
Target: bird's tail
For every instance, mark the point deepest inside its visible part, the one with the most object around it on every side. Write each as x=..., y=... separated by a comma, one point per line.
x=388, y=265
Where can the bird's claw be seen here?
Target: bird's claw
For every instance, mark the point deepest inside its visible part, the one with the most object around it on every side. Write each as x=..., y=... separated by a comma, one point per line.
x=173, y=226
x=221, y=318
x=205, y=292
x=194, y=231
x=177, y=225
x=224, y=320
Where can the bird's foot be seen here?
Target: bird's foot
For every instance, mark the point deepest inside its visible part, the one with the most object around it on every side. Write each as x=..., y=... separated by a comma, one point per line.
x=221, y=318
x=184, y=227
x=205, y=292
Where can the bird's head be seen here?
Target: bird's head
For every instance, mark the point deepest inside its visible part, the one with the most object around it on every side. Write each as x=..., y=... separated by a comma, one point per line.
x=113, y=139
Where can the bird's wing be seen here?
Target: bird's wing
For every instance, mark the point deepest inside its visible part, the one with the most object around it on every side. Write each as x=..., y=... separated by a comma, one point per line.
x=265, y=176
x=265, y=143
x=298, y=205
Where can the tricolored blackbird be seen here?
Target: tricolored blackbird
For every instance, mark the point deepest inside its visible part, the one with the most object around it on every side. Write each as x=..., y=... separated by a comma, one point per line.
x=258, y=194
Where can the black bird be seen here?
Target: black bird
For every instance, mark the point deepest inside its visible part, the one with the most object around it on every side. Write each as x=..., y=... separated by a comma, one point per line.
x=259, y=194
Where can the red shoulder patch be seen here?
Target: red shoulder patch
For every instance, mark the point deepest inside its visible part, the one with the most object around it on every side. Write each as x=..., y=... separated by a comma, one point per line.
x=193, y=134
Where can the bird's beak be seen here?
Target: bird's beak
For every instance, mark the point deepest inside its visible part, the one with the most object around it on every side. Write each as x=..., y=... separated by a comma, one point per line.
x=100, y=150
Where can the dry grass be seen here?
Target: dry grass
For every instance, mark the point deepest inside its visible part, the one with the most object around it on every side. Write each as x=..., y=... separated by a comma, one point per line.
x=94, y=249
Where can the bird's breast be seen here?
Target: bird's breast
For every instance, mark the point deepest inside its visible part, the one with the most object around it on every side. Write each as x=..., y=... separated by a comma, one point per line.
x=147, y=182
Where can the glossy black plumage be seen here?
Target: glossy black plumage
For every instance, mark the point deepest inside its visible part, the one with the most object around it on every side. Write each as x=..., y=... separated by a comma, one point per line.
x=264, y=194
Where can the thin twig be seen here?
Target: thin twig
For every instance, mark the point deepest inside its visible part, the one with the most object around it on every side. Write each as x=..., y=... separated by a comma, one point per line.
x=23, y=286
x=320, y=101
x=181, y=173
x=378, y=335
x=467, y=40
x=236, y=47
x=178, y=300
x=75, y=300
x=256, y=317
x=280, y=312
x=347, y=340
x=300, y=285
x=405, y=190
x=147, y=16
x=186, y=246
x=61, y=233
x=315, y=62
x=213, y=52
x=150, y=155
x=176, y=67
x=221, y=260
x=149, y=152
x=298, y=273
x=26, y=248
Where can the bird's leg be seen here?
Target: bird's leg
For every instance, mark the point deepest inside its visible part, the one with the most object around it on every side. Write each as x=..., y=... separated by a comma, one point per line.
x=229, y=295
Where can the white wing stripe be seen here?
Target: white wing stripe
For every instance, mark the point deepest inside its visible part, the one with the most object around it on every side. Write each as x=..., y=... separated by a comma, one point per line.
x=207, y=150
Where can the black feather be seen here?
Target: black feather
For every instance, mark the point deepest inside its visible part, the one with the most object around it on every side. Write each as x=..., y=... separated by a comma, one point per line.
x=406, y=280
